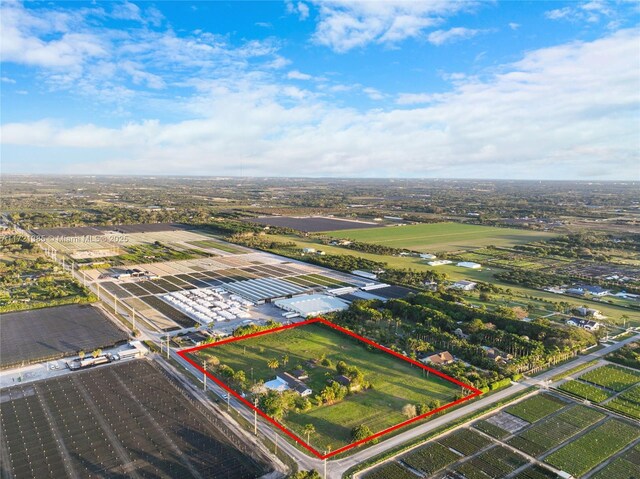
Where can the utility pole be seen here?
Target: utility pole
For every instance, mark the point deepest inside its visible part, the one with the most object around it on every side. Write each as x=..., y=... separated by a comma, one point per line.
x=255, y=418
x=204, y=376
x=325, y=466
x=228, y=401
x=167, y=345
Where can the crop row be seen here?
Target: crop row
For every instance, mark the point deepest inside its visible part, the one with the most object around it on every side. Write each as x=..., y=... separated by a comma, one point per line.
x=586, y=390
x=627, y=403
x=586, y=452
x=430, y=458
x=612, y=377
x=465, y=441
x=497, y=462
x=491, y=429
x=553, y=431
x=390, y=470
x=537, y=407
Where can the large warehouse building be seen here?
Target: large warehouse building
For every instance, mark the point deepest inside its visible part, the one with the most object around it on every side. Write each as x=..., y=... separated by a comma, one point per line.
x=312, y=304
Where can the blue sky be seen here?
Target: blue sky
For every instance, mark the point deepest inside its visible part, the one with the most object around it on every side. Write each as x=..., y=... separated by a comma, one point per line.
x=547, y=90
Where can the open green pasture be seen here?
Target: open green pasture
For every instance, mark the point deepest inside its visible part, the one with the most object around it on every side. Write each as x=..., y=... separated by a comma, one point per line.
x=437, y=237
x=394, y=382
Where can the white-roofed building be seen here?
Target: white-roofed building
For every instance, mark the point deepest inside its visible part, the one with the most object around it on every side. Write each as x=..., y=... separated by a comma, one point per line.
x=312, y=304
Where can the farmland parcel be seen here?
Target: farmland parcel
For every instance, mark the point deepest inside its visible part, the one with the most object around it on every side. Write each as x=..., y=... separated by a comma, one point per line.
x=440, y=236
x=317, y=349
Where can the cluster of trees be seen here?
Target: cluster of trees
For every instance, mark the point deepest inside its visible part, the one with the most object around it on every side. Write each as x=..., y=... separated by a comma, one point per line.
x=246, y=329
x=277, y=404
x=411, y=277
x=354, y=374
x=628, y=355
x=259, y=241
x=439, y=321
x=413, y=410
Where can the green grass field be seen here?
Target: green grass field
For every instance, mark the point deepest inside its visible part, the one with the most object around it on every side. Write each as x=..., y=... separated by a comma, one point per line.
x=395, y=382
x=439, y=237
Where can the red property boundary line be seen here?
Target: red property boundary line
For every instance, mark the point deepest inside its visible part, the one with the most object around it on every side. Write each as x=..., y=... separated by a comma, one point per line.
x=185, y=352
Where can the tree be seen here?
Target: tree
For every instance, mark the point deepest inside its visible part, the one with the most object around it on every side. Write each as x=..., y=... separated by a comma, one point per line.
x=409, y=410
x=273, y=363
x=312, y=474
x=213, y=361
x=81, y=354
x=308, y=430
x=96, y=352
x=285, y=360
x=361, y=432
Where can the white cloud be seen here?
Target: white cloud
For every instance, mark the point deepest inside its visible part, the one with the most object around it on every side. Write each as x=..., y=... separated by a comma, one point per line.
x=298, y=8
x=559, y=112
x=73, y=49
x=296, y=75
x=7, y=80
x=591, y=12
x=347, y=24
x=414, y=98
x=373, y=93
x=440, y=37
x=514, y=26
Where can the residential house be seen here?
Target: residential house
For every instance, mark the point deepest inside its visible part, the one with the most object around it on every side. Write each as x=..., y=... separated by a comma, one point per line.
x=439, y=359
x=464, y=285
x=587, y=324
x=286, y=381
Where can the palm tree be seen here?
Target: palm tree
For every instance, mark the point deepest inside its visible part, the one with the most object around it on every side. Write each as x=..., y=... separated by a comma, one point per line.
x=97, y=353
x=273, y=363
x=308, y=430
x=285, y=360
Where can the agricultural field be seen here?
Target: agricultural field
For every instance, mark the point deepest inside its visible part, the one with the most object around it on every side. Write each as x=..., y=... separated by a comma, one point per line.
x=122, y=420
x=552, y=432
x=612, y=377
x=439, y=237
x=542, y=302
x=311, y=224
x=536, y=407
x=390, y=470
x=226, y=247
x=624, y=467
x=627, y=403
x=316, y=349
x=28, y=280
x=496, y=462
x=586, y=391
x=589, y=450
x=430, y=458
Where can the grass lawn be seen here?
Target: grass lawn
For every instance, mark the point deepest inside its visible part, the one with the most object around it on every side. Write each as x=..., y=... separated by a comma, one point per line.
x=437, y=237
x=536, y=407
x=586, y=452
x=395, y=382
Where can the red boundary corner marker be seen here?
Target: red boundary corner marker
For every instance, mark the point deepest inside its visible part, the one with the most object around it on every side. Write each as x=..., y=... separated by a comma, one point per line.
x=185, y=352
